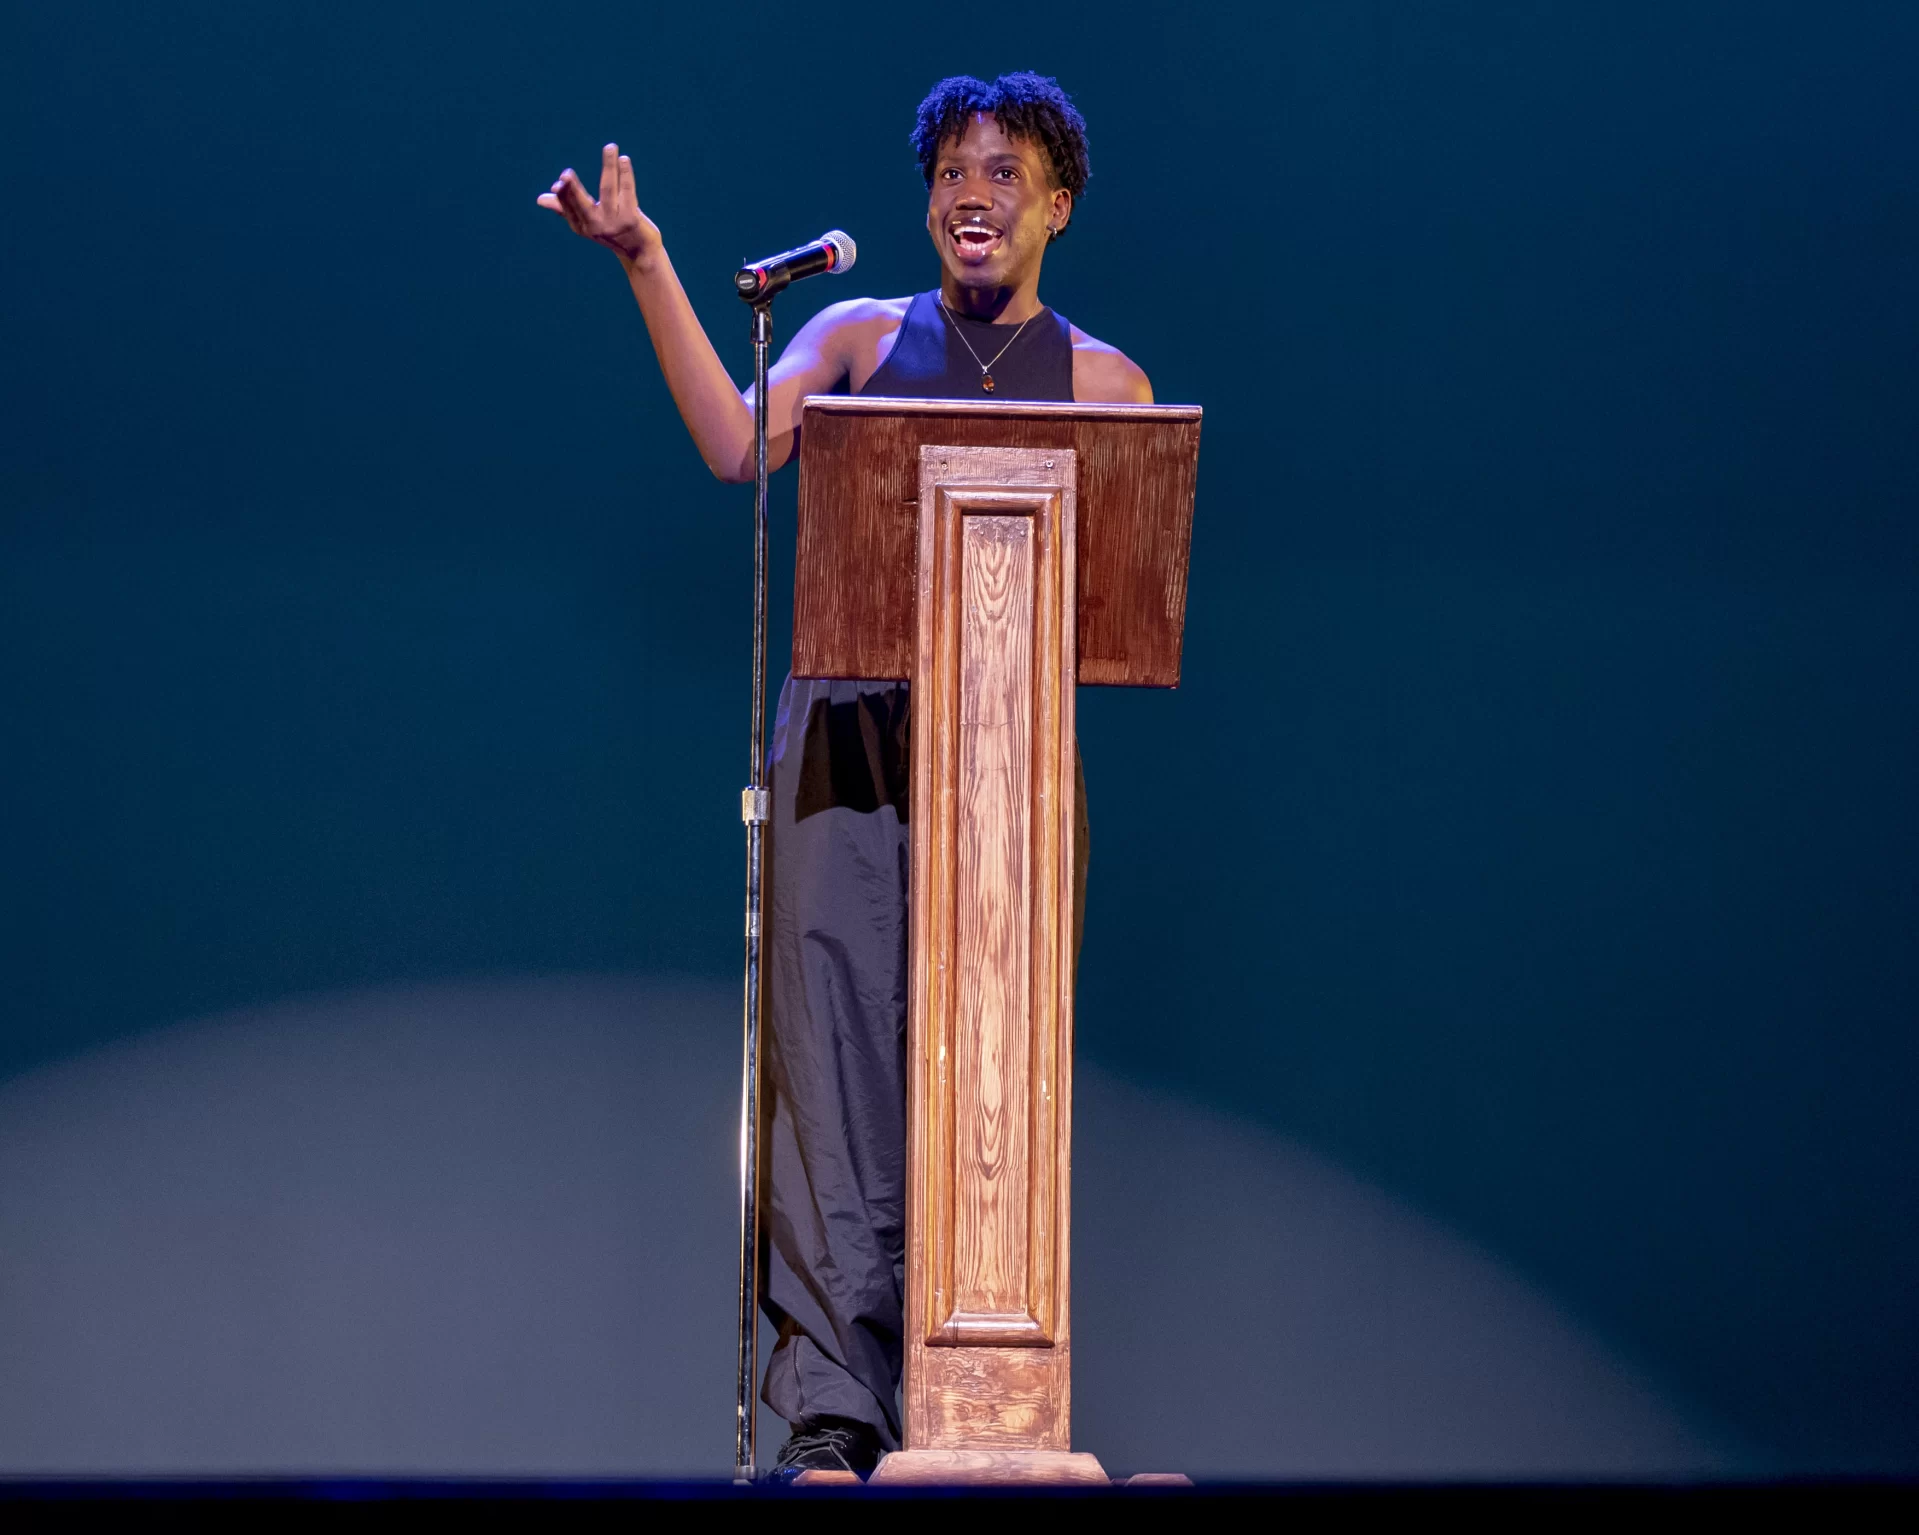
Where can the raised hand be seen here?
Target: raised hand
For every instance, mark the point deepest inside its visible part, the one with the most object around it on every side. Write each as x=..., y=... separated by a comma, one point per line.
x=615, y=221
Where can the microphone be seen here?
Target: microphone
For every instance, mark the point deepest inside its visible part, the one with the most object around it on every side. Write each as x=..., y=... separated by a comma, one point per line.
x=758, y=281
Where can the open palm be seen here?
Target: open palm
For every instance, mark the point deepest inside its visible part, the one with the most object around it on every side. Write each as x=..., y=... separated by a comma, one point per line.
x=615, y=221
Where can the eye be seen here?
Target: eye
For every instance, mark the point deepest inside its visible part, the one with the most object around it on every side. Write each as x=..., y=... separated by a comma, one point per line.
x=1008, y=173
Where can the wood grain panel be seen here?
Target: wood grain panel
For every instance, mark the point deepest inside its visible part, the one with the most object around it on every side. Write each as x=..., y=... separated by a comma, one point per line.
x=990, y=1398
x=855, y=589
x=991, y=1023
x=990, y=1016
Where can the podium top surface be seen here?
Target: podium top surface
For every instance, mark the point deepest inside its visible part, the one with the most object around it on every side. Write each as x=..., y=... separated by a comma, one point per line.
x=988, y=410
x=855, y=580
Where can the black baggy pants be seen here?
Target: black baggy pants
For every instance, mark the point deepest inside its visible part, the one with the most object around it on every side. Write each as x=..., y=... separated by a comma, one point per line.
x=835, y=1053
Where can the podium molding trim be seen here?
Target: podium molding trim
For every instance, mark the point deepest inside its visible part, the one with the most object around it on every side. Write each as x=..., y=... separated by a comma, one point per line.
x=990, y=1016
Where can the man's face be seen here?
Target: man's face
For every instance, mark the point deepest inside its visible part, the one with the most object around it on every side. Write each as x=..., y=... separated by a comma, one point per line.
x=991, y=204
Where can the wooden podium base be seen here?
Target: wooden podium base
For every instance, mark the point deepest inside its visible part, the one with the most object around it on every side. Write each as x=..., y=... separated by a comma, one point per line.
x=995, y=1468
x=989, y=1468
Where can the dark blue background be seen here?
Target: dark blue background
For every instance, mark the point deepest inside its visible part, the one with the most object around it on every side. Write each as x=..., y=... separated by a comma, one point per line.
x=1534, y=832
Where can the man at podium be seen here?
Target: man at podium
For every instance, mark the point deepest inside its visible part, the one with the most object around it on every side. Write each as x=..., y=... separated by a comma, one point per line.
x=1004, y=165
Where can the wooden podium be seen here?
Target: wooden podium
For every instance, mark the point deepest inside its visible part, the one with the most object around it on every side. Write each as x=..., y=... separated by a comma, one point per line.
x=996, y=554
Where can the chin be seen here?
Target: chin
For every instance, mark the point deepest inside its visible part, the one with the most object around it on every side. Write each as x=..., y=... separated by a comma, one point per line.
x=985, y=274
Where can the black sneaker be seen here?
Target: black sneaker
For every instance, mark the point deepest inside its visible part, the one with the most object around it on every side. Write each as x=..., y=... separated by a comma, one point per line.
x=828, y=1444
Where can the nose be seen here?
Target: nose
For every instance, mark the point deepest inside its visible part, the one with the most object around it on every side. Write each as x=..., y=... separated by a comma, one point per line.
x=975, y=194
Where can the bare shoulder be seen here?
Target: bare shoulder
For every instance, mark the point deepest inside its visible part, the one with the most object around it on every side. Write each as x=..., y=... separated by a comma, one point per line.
x=855, y=334
x=1104, y=374
x=852, y=336
x=865, y=318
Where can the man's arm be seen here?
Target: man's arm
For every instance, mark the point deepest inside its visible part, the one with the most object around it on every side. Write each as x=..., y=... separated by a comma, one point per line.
x=718, y=415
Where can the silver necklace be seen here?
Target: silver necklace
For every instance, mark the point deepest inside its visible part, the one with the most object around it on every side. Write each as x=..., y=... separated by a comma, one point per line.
x=985, y=368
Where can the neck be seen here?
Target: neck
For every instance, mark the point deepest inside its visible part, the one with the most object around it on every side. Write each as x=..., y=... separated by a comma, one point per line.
x=1011, y=304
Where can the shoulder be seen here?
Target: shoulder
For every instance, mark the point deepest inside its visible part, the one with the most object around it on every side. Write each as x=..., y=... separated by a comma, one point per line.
x=1104, y=374
x=850, y=335
x=859, y=317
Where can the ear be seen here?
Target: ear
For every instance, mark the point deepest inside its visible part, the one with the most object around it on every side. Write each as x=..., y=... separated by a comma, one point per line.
x=1062, y=212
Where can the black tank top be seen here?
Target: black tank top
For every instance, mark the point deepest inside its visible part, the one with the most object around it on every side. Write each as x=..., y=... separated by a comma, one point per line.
x=930, y=361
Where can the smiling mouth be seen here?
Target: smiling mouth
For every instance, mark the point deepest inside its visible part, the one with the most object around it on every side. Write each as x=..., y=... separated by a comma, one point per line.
x=975, y=242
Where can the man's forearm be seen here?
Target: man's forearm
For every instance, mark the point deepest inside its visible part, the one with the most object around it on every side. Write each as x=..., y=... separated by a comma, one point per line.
x=710, y=404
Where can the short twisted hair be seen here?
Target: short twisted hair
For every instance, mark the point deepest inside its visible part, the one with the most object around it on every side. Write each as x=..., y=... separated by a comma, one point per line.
x=1025, y=105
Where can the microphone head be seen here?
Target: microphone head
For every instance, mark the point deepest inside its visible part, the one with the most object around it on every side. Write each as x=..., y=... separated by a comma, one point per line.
x=845, y=252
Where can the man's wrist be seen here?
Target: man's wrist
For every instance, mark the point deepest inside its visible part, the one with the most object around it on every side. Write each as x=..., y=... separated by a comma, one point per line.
x=643, y=265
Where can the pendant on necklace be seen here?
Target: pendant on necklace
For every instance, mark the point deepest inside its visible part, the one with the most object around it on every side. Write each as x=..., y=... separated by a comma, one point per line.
x=986, y=382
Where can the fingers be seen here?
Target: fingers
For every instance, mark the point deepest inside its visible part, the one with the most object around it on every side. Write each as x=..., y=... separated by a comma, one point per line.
x=618, y=204
x=610, y=175
x=555, y=198
x=575, y=200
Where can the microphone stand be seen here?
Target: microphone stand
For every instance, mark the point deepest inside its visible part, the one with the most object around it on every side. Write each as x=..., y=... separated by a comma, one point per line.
x=755, y=811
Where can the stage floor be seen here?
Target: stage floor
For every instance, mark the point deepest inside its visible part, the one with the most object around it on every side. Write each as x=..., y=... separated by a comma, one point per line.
x=1616, y=1498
